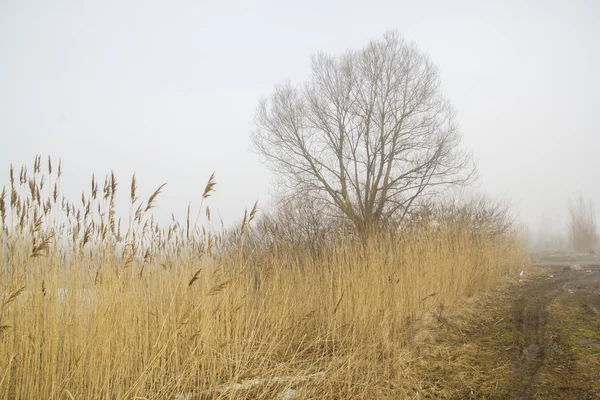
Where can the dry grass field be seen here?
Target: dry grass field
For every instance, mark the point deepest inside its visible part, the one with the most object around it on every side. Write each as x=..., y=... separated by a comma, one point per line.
x=97, y=307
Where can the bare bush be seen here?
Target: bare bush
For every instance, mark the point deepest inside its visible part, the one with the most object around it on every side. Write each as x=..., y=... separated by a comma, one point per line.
x=583, y=230
x=290, y=223
x=476, y=214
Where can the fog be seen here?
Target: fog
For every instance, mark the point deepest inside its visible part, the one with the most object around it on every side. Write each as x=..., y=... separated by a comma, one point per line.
x=169, y=90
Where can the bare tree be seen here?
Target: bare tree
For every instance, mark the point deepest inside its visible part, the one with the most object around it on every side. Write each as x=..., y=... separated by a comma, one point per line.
x=369, y=132
x=583, y=230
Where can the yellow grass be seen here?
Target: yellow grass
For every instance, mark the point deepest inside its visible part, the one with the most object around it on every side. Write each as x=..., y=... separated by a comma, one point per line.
x=148, y=314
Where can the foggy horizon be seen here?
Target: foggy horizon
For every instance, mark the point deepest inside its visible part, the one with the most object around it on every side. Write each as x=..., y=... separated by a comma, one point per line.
x=170, y=92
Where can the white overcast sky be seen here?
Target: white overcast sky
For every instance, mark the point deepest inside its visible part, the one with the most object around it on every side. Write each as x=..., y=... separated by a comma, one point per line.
x=168, y=89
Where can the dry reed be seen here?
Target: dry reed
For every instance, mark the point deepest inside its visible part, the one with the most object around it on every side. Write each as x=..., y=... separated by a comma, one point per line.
x=160, y=312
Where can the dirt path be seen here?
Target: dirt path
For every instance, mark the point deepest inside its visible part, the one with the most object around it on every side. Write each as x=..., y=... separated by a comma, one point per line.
x=529, y=318
x=546, y=354
x=536, y=338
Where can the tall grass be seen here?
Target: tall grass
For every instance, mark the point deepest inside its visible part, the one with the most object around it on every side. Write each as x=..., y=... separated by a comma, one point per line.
x=96, y=308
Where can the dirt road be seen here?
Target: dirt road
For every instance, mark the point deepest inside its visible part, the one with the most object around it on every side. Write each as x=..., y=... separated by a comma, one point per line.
x=538, y=337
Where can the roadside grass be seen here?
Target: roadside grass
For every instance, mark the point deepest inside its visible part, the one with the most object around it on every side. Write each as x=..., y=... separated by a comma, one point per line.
x=470, y=358
x=478, y=352
x=576, y=346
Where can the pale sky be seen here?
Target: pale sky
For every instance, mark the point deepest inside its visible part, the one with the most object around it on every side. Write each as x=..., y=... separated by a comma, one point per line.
x=169, y=89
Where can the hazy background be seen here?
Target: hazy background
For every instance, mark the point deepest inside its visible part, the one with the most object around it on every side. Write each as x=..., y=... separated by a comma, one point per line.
x=169, y=89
